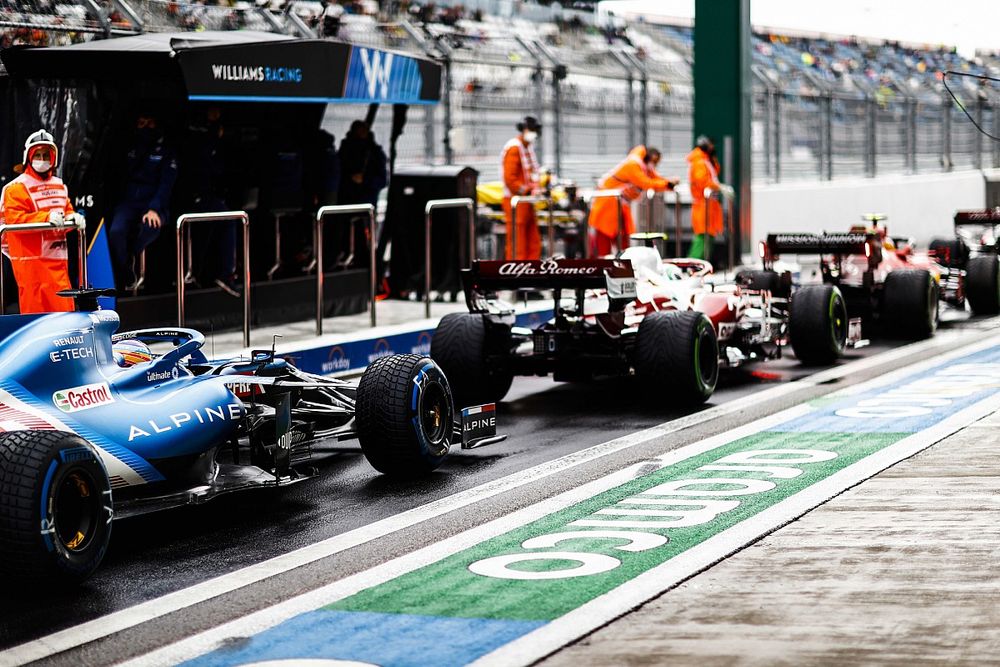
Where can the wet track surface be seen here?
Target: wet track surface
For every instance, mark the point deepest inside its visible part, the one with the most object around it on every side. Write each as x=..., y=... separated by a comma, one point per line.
x=157, y=554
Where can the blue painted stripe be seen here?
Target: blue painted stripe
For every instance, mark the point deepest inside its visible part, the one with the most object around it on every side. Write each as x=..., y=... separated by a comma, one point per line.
x=140, y=465
x=389, y=640
x=307, y=100
x=44, y=500
x=911, y=405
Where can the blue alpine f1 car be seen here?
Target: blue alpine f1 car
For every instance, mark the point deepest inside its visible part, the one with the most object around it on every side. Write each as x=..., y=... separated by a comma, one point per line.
x=97, y=425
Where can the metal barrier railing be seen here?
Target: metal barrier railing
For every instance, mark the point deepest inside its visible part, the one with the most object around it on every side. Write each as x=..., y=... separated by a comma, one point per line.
x=728, y=196
x=591, y=195
x=322, y=214
x=516, y=201
x=225, y=216
x=677, y=222
x=433, y=205
x=140, y=280
x=80, y=226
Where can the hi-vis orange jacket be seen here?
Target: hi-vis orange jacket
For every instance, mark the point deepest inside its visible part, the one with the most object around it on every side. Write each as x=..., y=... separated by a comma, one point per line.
x=519, y=169
x=704, y=173
x=633, y=177
x=37, y=258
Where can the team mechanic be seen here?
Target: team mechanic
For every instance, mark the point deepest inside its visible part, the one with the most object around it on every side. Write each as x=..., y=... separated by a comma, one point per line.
x=519, y=170
x=38, y=259
x=631, y=177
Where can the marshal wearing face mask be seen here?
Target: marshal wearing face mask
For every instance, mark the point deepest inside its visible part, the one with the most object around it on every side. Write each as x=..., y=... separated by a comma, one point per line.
x=38, y=258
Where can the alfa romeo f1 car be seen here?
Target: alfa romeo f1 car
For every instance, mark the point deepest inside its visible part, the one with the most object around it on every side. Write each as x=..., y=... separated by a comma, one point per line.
x=96, y=426
x=972, y=257
x=881, y=279
x=659, y=320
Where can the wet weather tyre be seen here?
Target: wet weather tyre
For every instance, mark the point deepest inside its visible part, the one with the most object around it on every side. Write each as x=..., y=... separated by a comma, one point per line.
x=405, y=415
x=677, y=351
x=910, y=304
x=461, y=346
x=55, y=508
x=982, y=285
x=818, y=324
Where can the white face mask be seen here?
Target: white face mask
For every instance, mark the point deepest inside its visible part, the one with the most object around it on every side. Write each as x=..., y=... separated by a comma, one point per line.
x=41, y=165
x=530, y=136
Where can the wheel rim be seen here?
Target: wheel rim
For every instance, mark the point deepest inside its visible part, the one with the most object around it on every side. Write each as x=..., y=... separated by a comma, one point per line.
x=838, y=320
x=706, y=355
x=76, y=508
x=932, y=304
x=435, y=416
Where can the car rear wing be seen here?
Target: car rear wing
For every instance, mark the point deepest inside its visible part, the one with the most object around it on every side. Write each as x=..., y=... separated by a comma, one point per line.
x=988, y=216
x=614, y=275
x=846, y=243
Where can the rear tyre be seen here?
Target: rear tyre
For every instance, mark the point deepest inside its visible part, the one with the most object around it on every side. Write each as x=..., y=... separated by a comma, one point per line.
x=677, y=351
x=460, y=346
x=982, y=284
x=818, y=324
x=405, y=415
x=55, y=508
x=910, y=303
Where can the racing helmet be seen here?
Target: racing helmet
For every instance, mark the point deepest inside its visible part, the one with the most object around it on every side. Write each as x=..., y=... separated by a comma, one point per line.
x=130, y=352
x=643, y=259
x=40, y=138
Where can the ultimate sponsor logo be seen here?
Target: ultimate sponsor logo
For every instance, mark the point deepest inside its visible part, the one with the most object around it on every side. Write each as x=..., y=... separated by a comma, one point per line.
x=336, y=360
x=257, y=73
x=83, y=397
x=161, y=376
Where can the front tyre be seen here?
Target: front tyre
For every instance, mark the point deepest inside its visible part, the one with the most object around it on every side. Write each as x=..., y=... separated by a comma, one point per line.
x=818, y=324
x=55, y=508
x=405, y=415
x=677, y=351
x=910, y=303
x=982, y=285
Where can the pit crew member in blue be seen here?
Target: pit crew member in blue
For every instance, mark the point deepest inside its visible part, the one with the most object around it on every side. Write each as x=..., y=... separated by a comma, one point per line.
x=144, y=209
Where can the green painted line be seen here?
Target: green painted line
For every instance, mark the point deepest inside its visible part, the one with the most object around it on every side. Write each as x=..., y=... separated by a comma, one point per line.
x=449, y=588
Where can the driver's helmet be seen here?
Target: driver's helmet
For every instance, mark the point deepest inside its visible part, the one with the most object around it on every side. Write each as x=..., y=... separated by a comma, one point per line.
x=644, y=260
x=130, y=352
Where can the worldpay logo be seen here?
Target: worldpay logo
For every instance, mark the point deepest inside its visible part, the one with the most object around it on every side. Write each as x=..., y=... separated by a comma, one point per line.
x=83, y=397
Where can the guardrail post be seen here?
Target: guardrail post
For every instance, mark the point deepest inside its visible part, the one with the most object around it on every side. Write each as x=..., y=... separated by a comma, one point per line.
x=677, y=224
x=435, y=204
x=342, y=209
x=225, y=216
x=80, y=226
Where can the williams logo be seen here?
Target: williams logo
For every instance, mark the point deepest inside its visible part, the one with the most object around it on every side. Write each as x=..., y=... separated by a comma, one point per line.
x=378, y=70
x=83, y=398
x=257, y=73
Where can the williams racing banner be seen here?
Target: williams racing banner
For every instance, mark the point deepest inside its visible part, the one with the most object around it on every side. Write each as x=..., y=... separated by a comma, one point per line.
x=316, y=71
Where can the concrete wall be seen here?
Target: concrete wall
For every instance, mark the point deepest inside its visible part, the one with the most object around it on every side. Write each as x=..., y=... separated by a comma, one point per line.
x=921, y=206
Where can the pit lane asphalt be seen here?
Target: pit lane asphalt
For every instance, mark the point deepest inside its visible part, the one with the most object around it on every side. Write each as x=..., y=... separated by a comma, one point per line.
x=158, y=554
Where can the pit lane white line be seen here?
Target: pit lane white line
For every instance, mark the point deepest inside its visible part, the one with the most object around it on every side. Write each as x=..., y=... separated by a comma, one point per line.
x=646, y=586
x=115, y=622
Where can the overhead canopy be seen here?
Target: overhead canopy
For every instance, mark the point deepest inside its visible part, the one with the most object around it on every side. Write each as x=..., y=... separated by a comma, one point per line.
x=241, y=66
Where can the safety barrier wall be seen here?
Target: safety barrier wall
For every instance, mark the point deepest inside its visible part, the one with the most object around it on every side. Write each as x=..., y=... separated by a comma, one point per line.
x=918, y=206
